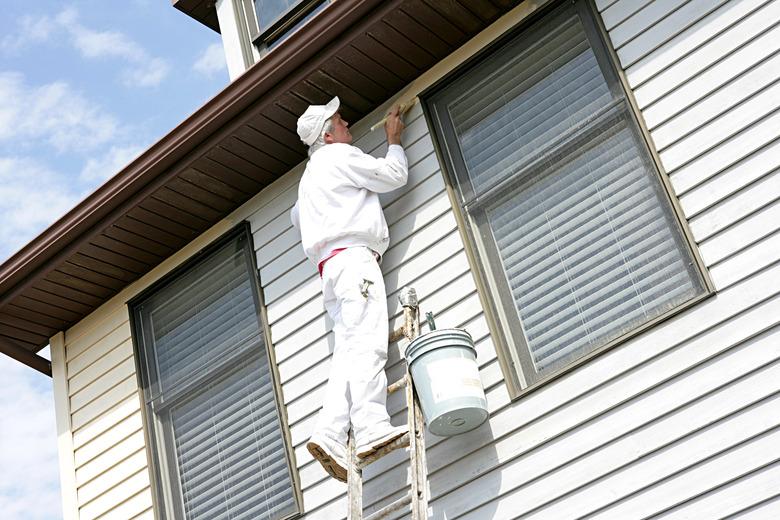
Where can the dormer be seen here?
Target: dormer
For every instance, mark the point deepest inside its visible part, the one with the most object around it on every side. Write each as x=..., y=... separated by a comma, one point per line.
x=251, y=28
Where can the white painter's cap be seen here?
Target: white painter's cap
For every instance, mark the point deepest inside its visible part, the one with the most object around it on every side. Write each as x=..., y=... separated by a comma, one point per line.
x=311, y=122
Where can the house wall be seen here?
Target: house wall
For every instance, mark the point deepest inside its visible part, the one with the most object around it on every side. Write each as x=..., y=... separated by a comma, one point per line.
x=682, y=420
x=681, y=417
x=108, y=448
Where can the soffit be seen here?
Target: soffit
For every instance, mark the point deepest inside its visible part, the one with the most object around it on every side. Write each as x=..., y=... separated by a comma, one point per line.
x=201, y=10
x=230, y=149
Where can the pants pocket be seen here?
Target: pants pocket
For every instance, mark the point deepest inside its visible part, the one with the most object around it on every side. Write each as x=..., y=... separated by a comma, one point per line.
x=356, y=287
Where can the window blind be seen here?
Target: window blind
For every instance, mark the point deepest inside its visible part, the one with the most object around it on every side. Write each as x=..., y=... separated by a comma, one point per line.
x=215, y=400
x=559, y=185
x=520, y=104
x=202, y=317
x=587, y=251
x=230, y=448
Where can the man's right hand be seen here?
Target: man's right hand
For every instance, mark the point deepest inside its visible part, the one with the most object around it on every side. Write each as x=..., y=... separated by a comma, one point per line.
x=394, y=126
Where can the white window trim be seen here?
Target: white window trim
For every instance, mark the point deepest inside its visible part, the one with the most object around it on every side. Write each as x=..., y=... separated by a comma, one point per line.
x=234, y=25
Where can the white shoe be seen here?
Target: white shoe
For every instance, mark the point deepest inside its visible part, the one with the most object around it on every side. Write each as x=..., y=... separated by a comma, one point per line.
x=330, y=454
x=379, y=439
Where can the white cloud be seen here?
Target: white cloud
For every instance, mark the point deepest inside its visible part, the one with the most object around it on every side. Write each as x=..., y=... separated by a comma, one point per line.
x=29, y=482
x=149, y=73
x=105, y=44
x=53, y=113
x=32, y=196
x=211, y=61
x=107, y=165
x=34, y=120
x=32, y=29
x=141, y=69
x=67, y=16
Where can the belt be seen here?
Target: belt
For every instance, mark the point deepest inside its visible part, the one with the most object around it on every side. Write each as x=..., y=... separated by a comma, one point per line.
x=333, y=253
x=321, y=265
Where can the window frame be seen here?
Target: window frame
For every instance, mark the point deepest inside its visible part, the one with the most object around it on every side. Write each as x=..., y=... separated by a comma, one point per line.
x=508, y=338
x=158, y=438
x=263, y=39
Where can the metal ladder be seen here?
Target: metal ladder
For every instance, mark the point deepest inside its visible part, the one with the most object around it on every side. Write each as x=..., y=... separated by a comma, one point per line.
x=417, y=496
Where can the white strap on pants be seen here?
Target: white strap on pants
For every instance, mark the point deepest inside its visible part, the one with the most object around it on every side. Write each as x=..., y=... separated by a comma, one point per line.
x=356, y=392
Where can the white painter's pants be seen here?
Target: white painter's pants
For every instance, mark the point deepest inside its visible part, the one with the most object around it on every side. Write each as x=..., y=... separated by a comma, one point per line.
x=357, y=389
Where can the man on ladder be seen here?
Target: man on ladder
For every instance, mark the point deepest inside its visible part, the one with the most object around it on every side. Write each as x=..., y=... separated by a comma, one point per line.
x=344, y=233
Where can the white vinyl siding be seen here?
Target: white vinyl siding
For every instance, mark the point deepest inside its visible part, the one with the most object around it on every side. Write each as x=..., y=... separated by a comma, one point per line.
x=681, y=416
x=108, y=448
x=681, y=422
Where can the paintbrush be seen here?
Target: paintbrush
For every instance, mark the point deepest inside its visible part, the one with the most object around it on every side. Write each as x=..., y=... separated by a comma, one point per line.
x=402, y=109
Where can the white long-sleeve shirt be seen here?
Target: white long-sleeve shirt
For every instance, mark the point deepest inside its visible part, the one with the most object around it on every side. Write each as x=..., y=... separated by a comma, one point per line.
x=338, y=205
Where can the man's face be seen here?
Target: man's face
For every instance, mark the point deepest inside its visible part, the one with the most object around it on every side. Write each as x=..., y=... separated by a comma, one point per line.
x=339, y=133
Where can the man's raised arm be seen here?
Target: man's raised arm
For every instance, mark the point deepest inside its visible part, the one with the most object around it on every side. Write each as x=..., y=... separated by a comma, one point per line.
x=381, y=175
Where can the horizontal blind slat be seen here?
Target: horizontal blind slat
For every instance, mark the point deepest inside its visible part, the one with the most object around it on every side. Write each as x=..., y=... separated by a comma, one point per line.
x=549, y=82
x=240, y=462
x=673, y=293
x=190, y=419
x=605, y=292
x=544, y=297
x=610, y=169
x=237, y=435
x=235, y=417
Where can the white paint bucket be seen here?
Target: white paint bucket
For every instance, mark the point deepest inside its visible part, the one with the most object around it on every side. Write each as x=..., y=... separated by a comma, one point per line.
x=444, y=369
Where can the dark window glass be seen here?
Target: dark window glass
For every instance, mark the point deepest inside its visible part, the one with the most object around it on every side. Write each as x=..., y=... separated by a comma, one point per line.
x=277, y=19
x=269, y=11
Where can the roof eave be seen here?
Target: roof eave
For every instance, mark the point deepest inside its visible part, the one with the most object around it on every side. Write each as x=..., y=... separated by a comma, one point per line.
x=203, y=11
x=148, y=171
x=234, y=146
x=39, y=363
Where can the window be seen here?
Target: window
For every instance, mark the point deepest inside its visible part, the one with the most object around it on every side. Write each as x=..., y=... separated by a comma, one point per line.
x=578, y=240
x=276, y=19
x=217, y=440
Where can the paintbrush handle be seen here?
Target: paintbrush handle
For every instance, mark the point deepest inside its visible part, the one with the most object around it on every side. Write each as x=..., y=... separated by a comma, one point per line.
x=404, y=108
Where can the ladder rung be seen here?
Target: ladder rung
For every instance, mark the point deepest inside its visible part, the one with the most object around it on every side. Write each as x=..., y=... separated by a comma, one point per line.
x=391, y=507
x=400, y=442
x=396, y=386
x=397, y=335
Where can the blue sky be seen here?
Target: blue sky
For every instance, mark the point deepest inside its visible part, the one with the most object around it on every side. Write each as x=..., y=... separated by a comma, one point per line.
x=84, y=87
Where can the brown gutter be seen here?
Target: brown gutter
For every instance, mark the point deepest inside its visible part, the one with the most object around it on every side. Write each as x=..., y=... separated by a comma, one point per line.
x=289, y=64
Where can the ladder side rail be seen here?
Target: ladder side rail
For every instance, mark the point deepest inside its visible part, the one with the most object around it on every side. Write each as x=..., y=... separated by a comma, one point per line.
x=417, y=496
x=422, y=459
x=413, y=442
x=411, y=333
x=354, y=481
x=420, y=467
x=419, y=472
